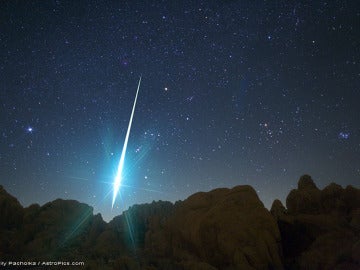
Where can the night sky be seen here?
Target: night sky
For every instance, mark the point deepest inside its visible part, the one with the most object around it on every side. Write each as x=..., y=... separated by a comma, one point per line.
x=232, y=93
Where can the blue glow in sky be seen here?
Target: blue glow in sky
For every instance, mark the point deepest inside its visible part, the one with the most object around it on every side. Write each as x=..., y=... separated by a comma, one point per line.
x=233, y=93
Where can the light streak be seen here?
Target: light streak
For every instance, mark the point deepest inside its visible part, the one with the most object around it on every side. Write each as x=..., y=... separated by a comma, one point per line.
x=118, y=177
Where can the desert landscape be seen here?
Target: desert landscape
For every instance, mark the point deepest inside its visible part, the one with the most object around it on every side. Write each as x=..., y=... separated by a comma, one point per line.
x=221, y=229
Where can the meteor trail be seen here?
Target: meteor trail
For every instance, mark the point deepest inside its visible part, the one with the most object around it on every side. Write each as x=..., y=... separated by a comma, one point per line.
x=118, y=177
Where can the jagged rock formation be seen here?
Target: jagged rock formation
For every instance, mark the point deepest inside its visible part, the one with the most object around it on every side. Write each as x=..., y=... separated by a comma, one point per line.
x=221, y=229
x=278, y=209
x=11, y=215
x=11, y=211
x=320, y=228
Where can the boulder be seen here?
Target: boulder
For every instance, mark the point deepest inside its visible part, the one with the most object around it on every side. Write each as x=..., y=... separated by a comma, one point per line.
x=355, y=219
x=51, y=229
x=277, y=209
x=306, y=199
x=11, y=211
x=317, y=223
x=223, y=228
x=324, y=252
x=11, y=219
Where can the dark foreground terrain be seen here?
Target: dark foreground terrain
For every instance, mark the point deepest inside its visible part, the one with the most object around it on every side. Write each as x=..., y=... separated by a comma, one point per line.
x=222, y=229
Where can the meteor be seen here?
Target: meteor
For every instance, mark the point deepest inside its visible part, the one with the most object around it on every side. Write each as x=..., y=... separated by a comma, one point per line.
x=118, y=177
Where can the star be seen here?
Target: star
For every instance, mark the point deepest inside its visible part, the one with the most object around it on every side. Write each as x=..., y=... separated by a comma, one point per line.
x=223, y=94
x=344, y=135
x=190, y=98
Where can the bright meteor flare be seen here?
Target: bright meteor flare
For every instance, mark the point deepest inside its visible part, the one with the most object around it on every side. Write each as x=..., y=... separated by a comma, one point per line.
x=118, y=177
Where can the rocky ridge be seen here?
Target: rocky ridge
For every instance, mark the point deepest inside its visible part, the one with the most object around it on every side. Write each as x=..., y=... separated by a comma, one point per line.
x=222, y=229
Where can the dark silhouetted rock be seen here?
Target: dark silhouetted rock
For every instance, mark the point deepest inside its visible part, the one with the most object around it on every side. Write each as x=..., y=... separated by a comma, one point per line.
x=190, y=265
x=355, y=219
x=277, y=209
x=11, y=211
x=126, y=263
x=305, y=199
x=328, y=250
x=318, y=222
x=134, y=222
x=57, y=225
x=223, y=228
x=11, y=218
x=306, y=183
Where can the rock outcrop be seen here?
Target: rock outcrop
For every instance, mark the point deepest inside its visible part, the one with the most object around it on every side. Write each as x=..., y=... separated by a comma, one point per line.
x=11, y=211
x=221, y=229
x=278, y=209
x=11, y=217
x=320, y=228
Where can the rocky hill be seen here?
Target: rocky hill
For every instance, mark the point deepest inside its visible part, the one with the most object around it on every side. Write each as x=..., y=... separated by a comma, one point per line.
x=320, y=228
x=222, y=229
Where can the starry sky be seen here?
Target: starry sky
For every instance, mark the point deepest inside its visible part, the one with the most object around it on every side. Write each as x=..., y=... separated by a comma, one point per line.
x=232, y=93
